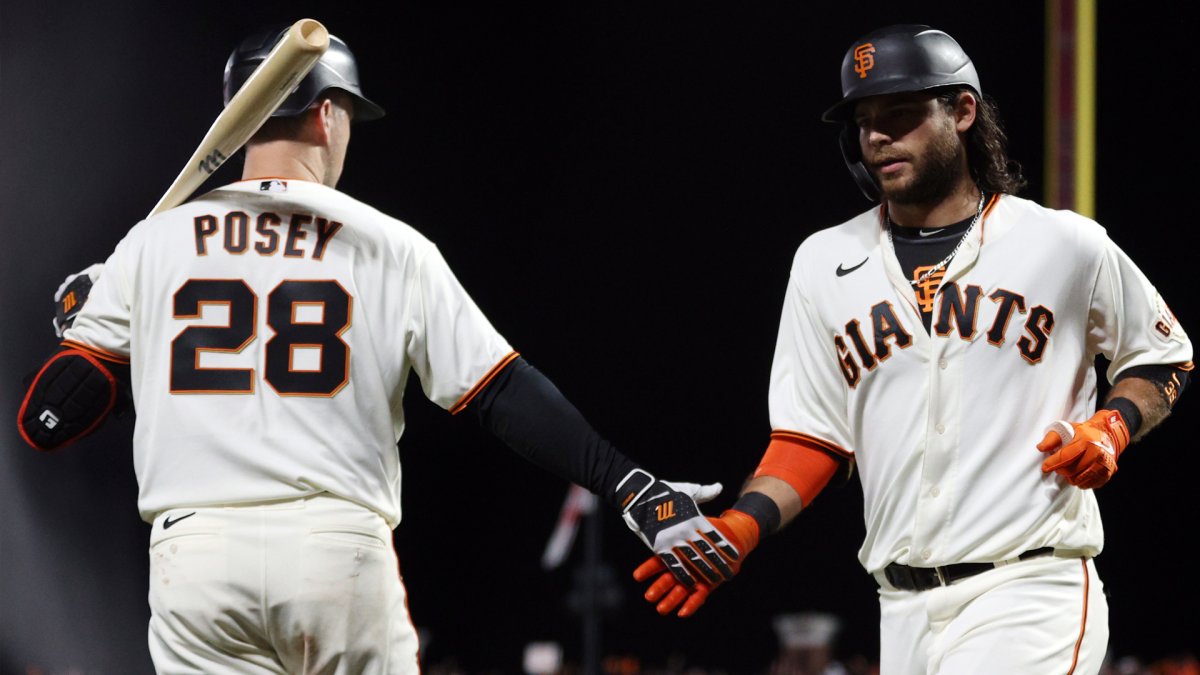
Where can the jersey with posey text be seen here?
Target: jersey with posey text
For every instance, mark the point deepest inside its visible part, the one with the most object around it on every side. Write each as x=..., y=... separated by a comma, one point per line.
x=270, y=327
x=943, y=425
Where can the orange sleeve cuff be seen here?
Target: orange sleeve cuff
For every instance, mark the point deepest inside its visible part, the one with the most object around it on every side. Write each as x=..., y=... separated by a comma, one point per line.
x=803, y=463
x=95, y=351
x=483, y=382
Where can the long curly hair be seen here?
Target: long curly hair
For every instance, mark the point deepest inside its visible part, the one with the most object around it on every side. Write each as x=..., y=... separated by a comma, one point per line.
x=987, y=146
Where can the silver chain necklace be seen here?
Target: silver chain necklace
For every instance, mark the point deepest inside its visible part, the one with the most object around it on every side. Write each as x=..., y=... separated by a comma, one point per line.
x=945, y=261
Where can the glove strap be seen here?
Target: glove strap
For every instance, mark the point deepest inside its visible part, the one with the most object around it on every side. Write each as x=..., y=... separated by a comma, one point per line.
x=743, y=528
x=67, y=306
x=632, y=487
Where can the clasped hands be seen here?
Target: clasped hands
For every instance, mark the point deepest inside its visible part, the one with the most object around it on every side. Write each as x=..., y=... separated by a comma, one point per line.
x=693, y=554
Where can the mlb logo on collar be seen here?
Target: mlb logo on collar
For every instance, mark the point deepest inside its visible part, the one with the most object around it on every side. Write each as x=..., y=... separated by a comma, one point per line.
x=272, y=185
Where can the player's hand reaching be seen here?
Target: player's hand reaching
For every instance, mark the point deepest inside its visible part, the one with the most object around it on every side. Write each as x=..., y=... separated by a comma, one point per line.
x=70, y=296
x=1085, y=453
x=738, y=534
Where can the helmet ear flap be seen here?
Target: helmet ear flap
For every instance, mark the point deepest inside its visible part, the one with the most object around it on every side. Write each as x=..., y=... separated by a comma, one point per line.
x=852, y=153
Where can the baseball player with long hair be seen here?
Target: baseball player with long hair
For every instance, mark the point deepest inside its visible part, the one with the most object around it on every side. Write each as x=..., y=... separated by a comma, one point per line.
x=264, y=333
x=944, y=343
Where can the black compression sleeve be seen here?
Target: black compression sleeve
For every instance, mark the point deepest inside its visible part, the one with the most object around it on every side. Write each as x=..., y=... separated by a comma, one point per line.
x=1170, y=380
x=523, y=408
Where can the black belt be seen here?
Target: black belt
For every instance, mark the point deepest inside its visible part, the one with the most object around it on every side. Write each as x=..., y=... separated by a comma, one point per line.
x=908, y=578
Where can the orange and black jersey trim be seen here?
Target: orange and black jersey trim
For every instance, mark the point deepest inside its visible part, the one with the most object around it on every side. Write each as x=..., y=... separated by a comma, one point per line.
x=466, y=398
x=96, y=352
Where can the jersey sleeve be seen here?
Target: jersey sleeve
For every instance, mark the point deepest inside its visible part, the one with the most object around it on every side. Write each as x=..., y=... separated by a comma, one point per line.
x=807, y=396
x=453, y=347
x=102, y=326
x=1129, y=322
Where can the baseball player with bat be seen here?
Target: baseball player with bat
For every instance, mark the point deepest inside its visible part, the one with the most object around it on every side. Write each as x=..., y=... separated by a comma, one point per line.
x=944, y=343
x=263, y=333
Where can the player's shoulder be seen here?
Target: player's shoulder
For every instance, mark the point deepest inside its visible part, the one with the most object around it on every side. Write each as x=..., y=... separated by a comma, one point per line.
x=854, y=237
x=1061, y=227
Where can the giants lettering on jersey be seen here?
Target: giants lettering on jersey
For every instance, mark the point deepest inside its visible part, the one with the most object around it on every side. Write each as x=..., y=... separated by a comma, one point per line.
x=268, y=232
x=863, y=347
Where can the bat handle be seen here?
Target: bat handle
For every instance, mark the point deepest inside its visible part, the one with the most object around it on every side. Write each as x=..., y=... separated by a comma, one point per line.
x=1064, y=430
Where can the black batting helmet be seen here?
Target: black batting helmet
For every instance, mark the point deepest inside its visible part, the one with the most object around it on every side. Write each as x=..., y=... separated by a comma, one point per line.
x=894, y=60
x=336, y=69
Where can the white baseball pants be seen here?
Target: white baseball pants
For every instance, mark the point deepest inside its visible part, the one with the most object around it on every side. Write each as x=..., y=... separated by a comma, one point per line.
x=305, y=586
x=1043, y=616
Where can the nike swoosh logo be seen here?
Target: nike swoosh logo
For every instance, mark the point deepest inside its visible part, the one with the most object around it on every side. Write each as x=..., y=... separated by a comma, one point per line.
x=168, y=522
x=843, y=271
x=929, y=233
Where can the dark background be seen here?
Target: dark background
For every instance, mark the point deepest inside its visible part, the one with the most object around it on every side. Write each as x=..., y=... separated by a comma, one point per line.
x=621, y=187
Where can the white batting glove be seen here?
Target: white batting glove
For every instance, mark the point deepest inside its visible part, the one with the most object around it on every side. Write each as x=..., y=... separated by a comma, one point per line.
x=665, y=516
x=71, y=295
x=699, y=493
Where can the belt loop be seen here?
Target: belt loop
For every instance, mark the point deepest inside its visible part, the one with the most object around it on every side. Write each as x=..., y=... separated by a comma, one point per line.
x=941, y=576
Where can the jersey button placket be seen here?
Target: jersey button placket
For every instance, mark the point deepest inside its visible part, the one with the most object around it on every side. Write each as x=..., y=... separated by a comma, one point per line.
x=941, y=451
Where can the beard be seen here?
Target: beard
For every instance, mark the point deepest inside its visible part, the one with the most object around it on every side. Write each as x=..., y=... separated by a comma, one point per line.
x=934, y=177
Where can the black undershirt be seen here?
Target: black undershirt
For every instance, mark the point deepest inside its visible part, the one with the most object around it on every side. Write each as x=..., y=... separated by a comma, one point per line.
x=920, y=248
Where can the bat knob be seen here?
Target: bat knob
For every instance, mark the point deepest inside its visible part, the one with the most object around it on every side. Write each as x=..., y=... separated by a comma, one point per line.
x=1064, y=430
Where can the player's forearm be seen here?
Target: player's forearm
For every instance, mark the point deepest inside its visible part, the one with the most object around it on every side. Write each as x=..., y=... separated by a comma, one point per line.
x=524, y=409
x=791, y=474
x=1150, y=394
x=784, y=496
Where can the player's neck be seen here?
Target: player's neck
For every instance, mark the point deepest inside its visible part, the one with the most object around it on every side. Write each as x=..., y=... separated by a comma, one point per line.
x=959, y=205
x=286, y=159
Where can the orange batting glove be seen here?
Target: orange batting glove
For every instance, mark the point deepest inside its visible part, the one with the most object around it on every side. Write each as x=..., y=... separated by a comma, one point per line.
x=1085, y=454
x=669, y=593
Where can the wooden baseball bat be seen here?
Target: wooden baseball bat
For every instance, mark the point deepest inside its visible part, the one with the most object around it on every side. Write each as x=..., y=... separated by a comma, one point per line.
x=264, y=91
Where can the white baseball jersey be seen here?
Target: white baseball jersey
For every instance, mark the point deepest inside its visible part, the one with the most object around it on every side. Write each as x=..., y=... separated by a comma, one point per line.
x=943, y=425
x=270, y=327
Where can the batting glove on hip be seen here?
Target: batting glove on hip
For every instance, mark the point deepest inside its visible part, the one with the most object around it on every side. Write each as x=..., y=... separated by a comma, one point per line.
x=1085, y=453
x=71, y=295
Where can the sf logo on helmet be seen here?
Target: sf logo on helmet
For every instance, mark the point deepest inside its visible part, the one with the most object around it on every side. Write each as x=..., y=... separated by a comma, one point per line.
x=864, y=59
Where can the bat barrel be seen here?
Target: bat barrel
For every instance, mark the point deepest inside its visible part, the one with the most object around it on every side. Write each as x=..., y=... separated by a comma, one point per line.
x=310, y=34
